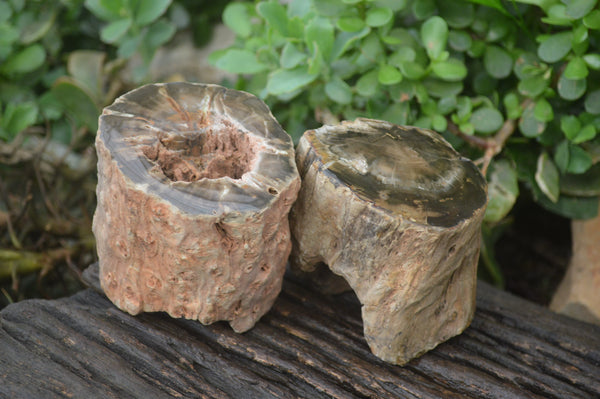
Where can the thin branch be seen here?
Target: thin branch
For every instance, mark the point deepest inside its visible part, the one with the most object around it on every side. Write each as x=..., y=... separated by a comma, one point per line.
x=491, y=146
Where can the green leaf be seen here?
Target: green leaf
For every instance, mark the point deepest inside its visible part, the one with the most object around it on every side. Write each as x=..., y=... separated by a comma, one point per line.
x=585, y=184
x=592, y=60
x=512, y=105
x=236, y=17
x=105, y=10
x=579, y=8
x=16, y=118
x=159, y=33
x=275, y=16
x=592, y=102
x=452, y=70
x=528, y=124
x=561, y=156
x=388, y=75
x=496, y=4
x=580, y=35
x=570, y=126
x=555, y=47
x=240, y=61
x=338, y=91
x=571, y=89
x=24, y=61
x=497, y=62
x=287, y=80
x=423, y=9
x=344, y=40
x=547, y=177
x=503, y=190
x=5, y=11
x=291, y=56
x=440, y=89
x=320, y=33
x=49, y=107
x=543, y=111
x=579, y=160
x=576, y=69
x=112, y=32
x=457, y=14
x=149, y=11
x=571, y=207
x=397, y=113
x=412, y=70
x=76, y=102
x=533, y=86
x=379, y=16
x=459, y=40
x=85, y=66
x=588, y=132
x=38, y=27
x=8, y=35
x=486, y=120
x=439, y=123
x=367, y=84
x=434, y=34
x=592, y=20
x=557, y=15
x=350, y=24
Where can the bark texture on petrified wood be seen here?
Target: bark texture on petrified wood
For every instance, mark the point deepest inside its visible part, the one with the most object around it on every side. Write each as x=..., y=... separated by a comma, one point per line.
x=195, y=183
x=397, y=213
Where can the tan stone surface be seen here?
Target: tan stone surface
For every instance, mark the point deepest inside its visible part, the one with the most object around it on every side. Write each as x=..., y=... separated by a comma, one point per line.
x=195, y=183
x=578, y=295
x=397, y=213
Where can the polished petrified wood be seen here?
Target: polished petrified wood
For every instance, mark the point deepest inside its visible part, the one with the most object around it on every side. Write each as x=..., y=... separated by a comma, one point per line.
x=195, y=183
x=396, y=212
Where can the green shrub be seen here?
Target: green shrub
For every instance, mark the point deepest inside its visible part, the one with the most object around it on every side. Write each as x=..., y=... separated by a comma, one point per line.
x=61, y=62
x=514, y=85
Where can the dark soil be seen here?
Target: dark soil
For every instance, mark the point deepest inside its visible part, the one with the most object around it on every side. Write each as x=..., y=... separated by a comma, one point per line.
x=534, y=252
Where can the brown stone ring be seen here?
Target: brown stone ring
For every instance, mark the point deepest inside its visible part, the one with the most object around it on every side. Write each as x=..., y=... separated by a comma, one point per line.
x=195, y=183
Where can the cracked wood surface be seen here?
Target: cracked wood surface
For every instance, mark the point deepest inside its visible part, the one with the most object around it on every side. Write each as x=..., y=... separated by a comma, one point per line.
x=308, y=346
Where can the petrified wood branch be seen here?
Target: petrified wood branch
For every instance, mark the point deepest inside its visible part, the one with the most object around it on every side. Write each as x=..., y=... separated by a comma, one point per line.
x=195, y=183
x=396, y=212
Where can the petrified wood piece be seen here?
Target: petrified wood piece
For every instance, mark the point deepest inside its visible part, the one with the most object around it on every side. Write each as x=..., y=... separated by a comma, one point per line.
x=396, y=212
x=195, y=183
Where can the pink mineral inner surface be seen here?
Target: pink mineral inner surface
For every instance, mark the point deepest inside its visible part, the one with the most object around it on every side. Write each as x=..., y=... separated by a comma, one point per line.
x=215, y=152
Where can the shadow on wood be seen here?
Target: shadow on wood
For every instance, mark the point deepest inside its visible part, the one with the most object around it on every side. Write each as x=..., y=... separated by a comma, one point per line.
x=308, y=346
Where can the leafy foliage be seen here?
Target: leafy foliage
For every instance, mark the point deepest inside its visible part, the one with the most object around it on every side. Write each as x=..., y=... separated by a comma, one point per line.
x=500, y=83
x=61, y=62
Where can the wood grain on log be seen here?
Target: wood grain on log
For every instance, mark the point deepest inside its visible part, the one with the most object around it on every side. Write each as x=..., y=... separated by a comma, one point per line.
x=194, y=188
x=307, y=346
x=397, y=213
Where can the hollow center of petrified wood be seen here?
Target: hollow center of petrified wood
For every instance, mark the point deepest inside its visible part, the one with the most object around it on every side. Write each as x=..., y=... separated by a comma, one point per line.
x=211, y=154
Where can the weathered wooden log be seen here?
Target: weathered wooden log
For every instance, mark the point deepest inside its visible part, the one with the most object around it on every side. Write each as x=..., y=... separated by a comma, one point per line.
x=397, y=213
x=308, y=346
x=195, y=183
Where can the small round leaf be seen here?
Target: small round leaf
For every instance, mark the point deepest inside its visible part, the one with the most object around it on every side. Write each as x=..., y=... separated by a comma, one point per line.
x=338, y=91
x=379, y=16
x=497, y=61
x=547, y=177
x=571, y=89
x=388, y=75
x=576, y=69
x=452, y=70
x=486, y=120
x=543, y=111
x=555, y=47
x=434, y=34
x=592, y=102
